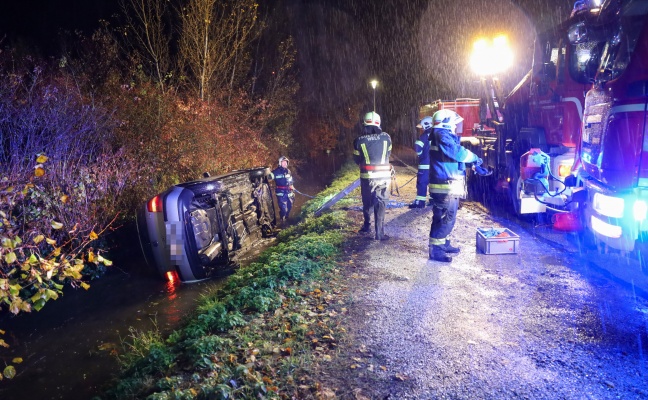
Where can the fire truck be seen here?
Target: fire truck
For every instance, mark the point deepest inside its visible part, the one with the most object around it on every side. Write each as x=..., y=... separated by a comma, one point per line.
x=569, y=138
x=614, y=144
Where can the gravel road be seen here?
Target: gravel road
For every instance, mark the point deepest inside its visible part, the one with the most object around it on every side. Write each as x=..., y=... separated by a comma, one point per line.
x=546, y=323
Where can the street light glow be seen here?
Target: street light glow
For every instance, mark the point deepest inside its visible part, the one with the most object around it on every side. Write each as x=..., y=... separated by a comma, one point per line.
x=491, y=57
x=374, y=83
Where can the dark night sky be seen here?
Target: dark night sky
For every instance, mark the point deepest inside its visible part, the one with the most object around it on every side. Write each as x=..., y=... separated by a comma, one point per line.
x=412, y=46
x=39, y=21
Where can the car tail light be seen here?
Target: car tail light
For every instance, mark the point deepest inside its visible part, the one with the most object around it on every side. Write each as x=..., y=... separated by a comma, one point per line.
x=155, y=204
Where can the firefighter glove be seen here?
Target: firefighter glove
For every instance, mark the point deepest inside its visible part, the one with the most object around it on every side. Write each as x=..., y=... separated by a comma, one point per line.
x=481, y=171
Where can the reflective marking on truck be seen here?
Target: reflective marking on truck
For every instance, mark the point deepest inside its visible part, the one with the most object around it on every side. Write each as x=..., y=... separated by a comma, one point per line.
x=628, y=108
x=577, y=103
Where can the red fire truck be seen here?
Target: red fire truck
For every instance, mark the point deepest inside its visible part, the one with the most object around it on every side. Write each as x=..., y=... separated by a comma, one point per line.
x=533, y=142
x=614, y=144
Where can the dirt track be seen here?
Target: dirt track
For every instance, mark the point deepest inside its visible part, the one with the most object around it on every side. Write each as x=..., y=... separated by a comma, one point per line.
x=536, y=325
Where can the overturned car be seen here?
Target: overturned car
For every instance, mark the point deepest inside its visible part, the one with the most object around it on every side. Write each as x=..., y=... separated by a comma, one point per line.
x=194, y=228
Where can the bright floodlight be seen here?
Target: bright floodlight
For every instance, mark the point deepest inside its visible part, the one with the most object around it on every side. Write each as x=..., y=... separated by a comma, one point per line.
x=491, y=57
x=374, y=83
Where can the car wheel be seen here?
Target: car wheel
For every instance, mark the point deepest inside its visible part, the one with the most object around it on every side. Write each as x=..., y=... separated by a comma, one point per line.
x=259, y=173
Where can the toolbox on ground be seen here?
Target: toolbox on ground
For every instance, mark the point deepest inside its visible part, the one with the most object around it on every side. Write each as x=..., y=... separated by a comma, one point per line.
x=497, y=241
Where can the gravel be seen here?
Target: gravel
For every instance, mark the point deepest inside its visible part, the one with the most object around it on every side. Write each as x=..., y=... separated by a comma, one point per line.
x=540, y=324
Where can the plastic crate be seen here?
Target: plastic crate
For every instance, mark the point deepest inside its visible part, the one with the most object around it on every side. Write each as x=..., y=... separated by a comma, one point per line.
x=488, y=241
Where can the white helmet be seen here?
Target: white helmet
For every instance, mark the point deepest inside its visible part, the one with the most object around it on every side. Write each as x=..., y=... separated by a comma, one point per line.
x=446, y=119
x=371, y=118
x=282, y=158
x=426, y=123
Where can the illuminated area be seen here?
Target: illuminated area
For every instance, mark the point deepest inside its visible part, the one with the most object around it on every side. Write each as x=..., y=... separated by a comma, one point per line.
x=639, y=210
x=491, y=57
x=564, y=170
x=605, y=229
x=609, y=206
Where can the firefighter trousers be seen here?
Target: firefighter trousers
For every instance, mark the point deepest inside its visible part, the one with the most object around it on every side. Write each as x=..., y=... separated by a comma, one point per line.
x=444, y=215
x=285, y=200
x=422, y=181
x=374, y=196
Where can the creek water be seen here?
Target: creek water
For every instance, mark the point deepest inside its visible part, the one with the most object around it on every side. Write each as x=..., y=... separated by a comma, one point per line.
x=69, y=347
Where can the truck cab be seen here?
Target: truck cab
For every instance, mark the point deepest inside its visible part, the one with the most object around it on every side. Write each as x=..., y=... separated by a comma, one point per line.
x=614, y=144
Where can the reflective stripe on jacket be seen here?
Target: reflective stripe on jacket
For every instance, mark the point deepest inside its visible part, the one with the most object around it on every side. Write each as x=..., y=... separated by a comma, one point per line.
x=447, y=158
x=371, y=152
x=422, y=148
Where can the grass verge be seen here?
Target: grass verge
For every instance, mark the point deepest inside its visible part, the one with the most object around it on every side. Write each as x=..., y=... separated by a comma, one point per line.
x=257, y=336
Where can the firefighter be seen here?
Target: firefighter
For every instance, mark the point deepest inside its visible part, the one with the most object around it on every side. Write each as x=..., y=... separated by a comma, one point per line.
x=422, y=148
x=447, y=181
x=371, y=151
x=284, y=188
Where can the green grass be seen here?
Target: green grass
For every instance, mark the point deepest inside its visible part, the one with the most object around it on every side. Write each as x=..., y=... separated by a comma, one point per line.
x=257, y=335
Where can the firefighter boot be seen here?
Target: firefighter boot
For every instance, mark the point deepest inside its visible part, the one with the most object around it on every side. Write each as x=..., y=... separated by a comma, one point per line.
x=450, y=248
x=437, y=253
x=417, y=204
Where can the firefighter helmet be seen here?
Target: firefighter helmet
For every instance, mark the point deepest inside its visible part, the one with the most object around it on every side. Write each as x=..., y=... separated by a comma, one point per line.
x=282, y=158
x=372, y=118
x=446, y=119
x=425, y=124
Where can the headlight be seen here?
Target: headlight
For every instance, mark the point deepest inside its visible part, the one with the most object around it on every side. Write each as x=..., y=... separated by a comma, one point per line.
x=609, y=206
x=639, y=210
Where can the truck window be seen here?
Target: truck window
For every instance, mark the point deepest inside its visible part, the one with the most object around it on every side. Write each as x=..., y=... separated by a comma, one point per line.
x=621, y=41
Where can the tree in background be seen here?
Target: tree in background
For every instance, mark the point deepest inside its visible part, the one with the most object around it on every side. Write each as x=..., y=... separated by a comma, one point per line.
x=214, y=43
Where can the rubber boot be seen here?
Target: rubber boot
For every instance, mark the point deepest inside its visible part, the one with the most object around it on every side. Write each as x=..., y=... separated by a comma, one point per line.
x=451, y=249
x=437, y=253
x=417, y=204
x=365, y=229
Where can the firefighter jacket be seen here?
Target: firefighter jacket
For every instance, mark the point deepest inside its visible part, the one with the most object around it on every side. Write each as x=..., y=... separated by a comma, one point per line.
x=422, y=148
x=371, y=152
x=283, y=179
x=447, y=163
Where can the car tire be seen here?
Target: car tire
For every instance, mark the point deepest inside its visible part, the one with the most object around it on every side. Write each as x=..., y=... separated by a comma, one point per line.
x=259, y=173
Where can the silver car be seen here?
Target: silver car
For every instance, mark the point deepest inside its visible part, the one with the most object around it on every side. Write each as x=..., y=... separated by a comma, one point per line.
x=194, y=228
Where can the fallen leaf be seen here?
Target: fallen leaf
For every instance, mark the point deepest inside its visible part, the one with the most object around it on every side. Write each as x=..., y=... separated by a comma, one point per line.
x=401, y=377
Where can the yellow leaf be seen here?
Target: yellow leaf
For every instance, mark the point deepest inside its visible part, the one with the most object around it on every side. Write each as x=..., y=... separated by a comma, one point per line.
x=10, y=257
x=93, y=236
x=56, y=252
x=17, y=360
x=41, y=158
x=9, y=372
x=85, y=285
x=64, y=198
x=57, y=225
x=91, y=256
x=38, y=239
x=51, y=241
x=39, y=171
